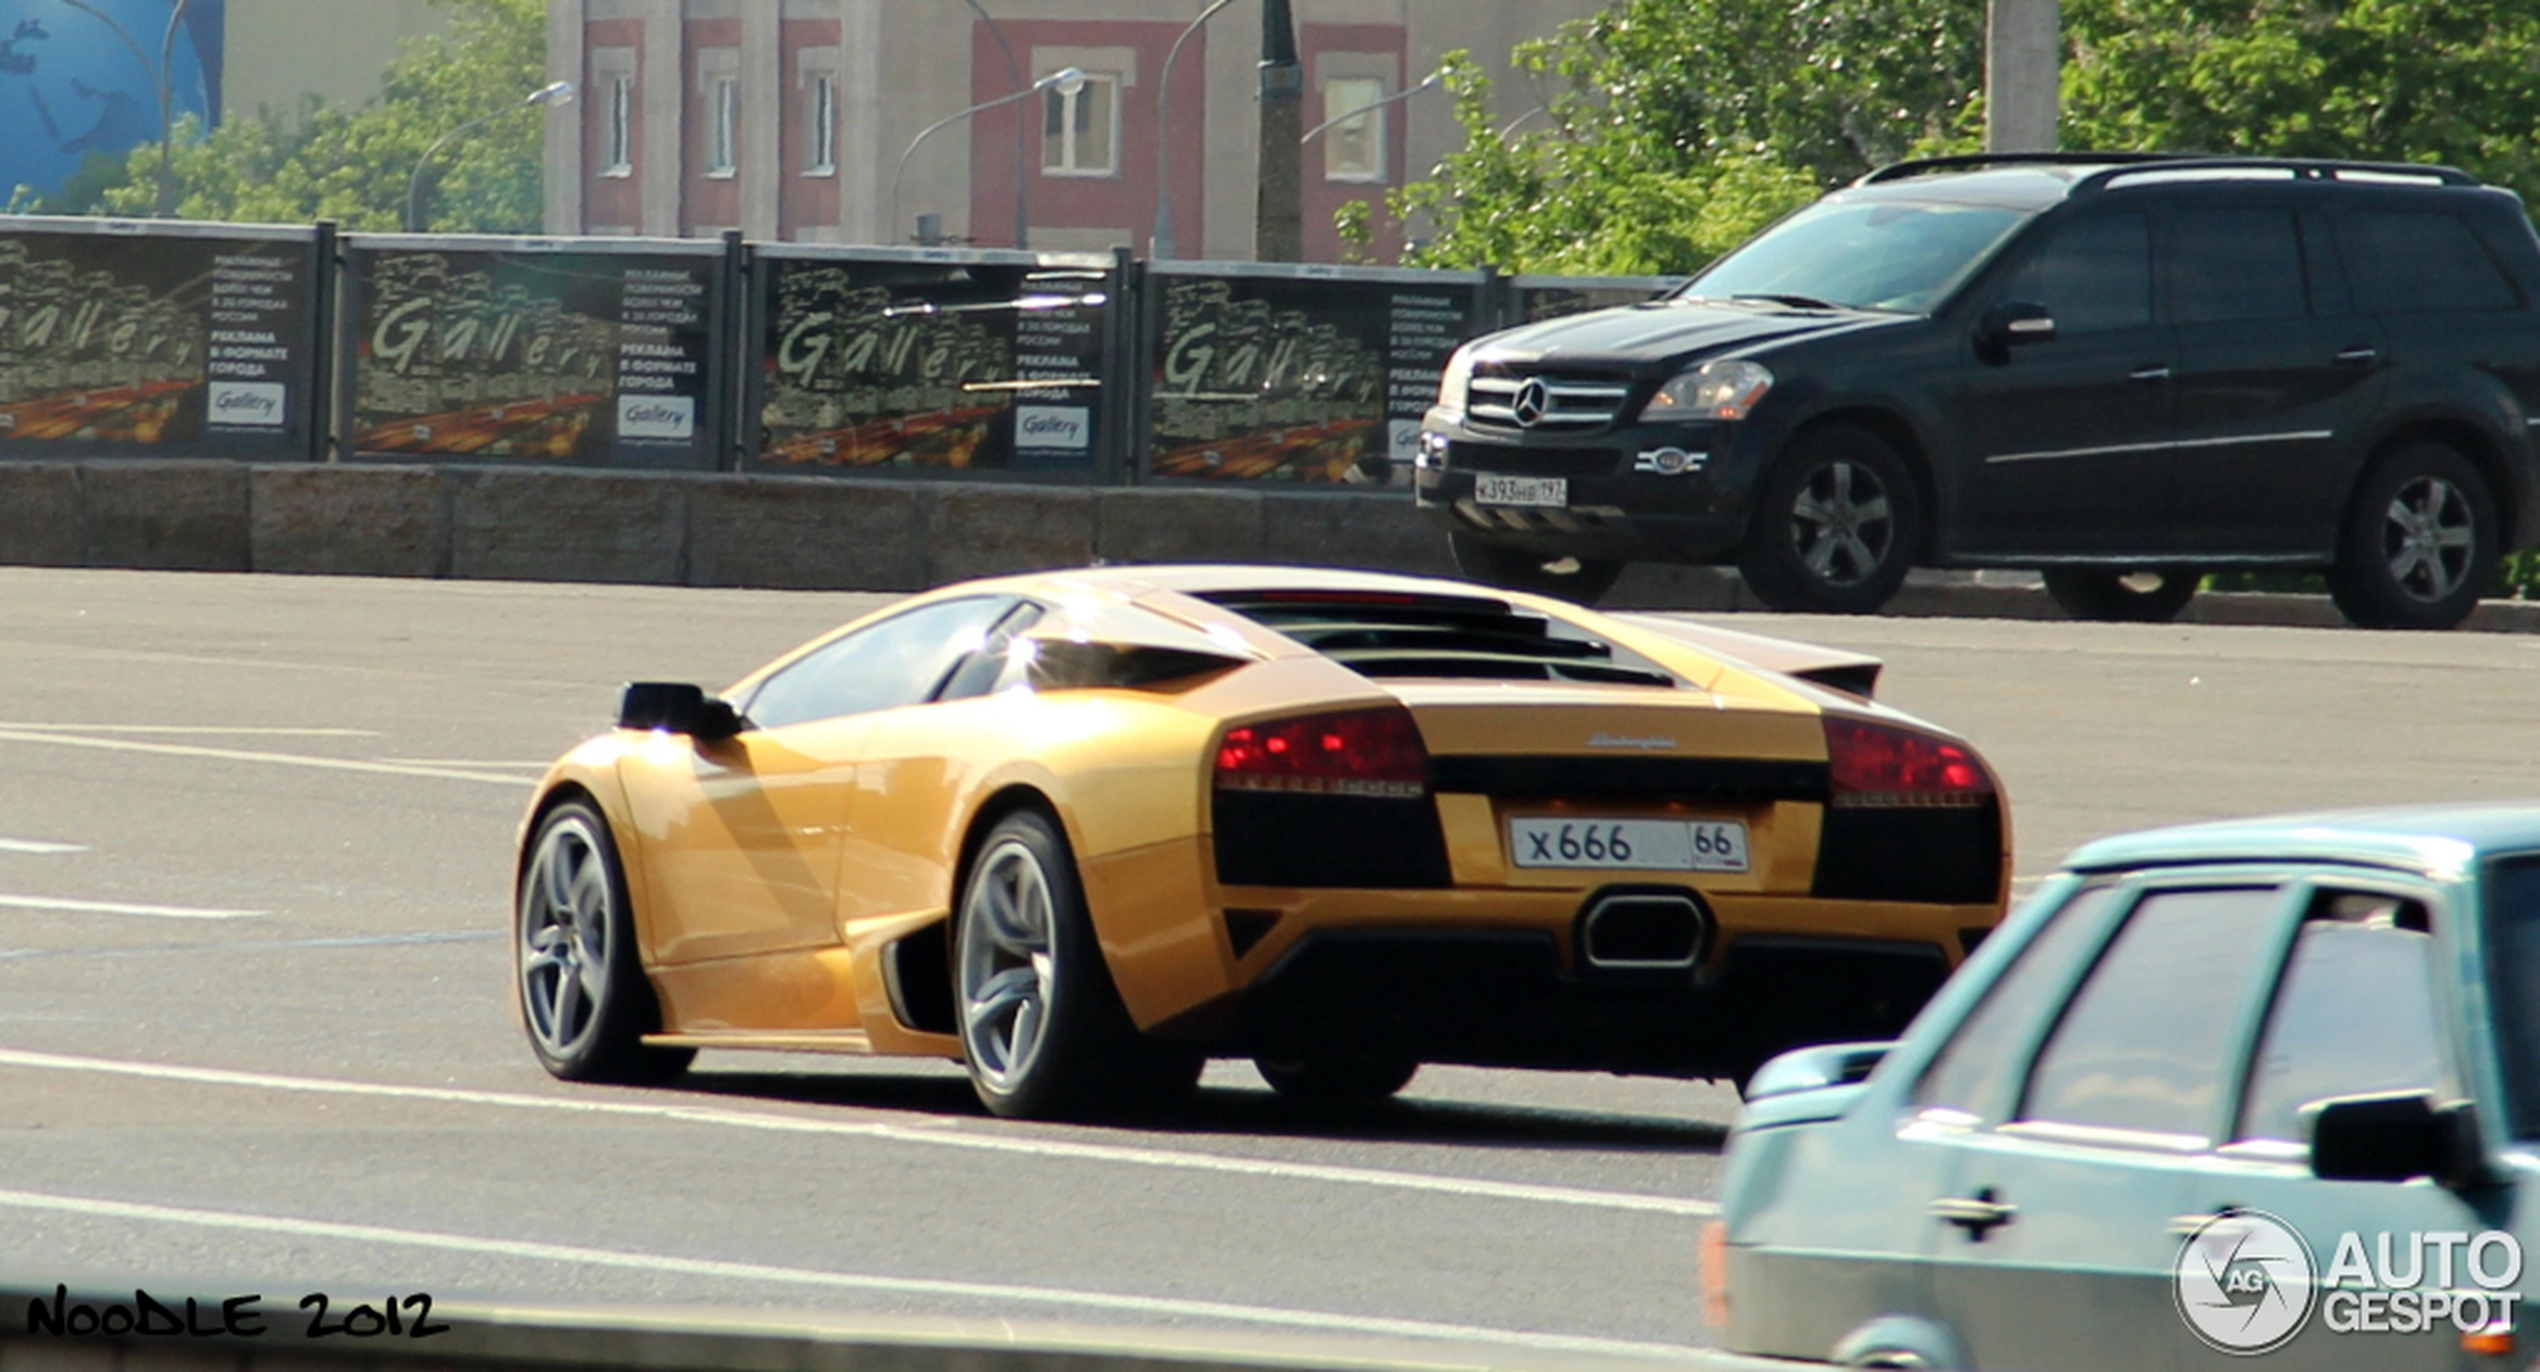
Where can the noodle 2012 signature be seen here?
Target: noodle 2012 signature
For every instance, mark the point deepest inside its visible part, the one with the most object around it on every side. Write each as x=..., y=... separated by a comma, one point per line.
x=241, y=1317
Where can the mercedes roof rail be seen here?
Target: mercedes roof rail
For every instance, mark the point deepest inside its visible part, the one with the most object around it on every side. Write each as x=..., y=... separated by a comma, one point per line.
x=1927, y=166
x=2296, y=168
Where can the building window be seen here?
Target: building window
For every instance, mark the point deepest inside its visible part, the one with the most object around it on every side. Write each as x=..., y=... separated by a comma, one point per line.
x=1080, y=129
x=621, y=158
x=1354, y=148
x=820, y=125
x=723, y=153
x=612, y=88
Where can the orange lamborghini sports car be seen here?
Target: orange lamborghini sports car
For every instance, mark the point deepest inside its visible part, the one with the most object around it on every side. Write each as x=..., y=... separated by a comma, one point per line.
x=1084, y=830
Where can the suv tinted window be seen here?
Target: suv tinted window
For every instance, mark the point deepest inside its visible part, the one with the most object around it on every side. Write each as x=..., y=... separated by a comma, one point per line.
x=1869, y=254
x=1978, y=1064
x=2424, y=260
x=899, y=661
x=2095, y=275
x=2355, y=1013
x=2235, y=264
x=2142, y=1044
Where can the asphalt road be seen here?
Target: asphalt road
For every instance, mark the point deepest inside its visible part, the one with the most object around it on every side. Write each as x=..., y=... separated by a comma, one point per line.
x=255, y=1034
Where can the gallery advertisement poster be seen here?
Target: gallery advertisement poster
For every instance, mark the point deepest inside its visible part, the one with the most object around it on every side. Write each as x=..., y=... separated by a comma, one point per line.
x=1316, y=377
x=1539, y=298
x=118, y=339
x=898, y=363
x=584, y=356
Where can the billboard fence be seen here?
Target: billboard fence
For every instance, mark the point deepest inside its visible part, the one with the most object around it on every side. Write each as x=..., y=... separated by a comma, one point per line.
x=129, y=338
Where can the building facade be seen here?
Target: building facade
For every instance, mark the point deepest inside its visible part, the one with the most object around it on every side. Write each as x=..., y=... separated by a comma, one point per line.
x=809, y=120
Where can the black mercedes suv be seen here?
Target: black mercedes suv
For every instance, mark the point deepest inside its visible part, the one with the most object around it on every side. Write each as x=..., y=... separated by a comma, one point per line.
x=2124, y=370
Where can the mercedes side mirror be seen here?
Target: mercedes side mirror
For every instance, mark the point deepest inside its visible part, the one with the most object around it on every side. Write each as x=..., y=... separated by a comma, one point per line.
x=2396, y=1137
x=675, y=708
x=2014, y=322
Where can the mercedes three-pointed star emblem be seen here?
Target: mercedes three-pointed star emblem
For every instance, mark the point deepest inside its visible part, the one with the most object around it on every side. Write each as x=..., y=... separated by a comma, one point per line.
x=1533, y=402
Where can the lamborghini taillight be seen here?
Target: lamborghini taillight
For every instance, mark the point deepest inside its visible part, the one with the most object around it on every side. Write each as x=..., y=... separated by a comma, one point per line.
x=1350, y=753
x=1876, y=766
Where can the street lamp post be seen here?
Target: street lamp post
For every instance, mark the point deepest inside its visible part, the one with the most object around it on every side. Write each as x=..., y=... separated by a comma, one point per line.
x=1066, y=81
x=1161, y=244
x=555, y=93
x=164, y=80
x=1022, y=134
x=1426, y=83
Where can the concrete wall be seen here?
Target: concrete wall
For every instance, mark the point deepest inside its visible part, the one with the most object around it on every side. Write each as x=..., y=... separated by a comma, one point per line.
x=679, y=529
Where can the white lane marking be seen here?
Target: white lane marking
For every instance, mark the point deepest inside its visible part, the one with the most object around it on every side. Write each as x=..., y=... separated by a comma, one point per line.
x=215, y=729
x=836, y=1281
x=101, y=907
x=331, y=764
x=944, y=1136
x=465, y=762
x=38, y=847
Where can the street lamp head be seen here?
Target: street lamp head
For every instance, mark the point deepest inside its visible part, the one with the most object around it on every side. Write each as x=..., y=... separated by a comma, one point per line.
x=1066, y=81
x=554, y=93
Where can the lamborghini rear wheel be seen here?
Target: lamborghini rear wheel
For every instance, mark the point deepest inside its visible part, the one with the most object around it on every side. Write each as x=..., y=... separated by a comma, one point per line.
x=1042, y=1026
x=1336, y=1077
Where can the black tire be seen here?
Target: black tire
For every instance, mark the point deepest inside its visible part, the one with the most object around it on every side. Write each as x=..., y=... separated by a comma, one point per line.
x=584, y=998
x=1837, y=524
x=2419, y=544
x=1334, y=1078
x=2143, y=596
x=1042, y=1027
x=1515, y=569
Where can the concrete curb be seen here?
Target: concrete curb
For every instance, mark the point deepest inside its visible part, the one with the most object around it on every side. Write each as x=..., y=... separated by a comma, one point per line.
x=810, y=533
x=526, y=1338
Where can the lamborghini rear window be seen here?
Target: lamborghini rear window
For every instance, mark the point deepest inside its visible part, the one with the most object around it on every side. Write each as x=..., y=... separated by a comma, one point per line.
x=1405, y=634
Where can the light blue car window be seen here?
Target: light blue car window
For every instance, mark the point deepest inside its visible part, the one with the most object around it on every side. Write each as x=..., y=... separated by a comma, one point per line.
x=1976, y=1069
x=2142, y=1044
x=2513, y=983
x=2356, y=1013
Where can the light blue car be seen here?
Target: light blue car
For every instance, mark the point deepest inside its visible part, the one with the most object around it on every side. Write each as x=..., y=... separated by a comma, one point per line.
x=2264, y=1089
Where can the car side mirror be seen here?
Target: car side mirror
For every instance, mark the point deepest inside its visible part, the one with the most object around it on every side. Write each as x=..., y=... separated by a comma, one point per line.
x=2396, y=1138
x=2014, y=322
x=676, y=708
x=1810, y=1069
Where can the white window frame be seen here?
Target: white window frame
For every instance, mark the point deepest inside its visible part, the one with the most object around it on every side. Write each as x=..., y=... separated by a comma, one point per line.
x=1370, y=124
x=719, y=83
x=613, y=72
x=818, y=79
x=1060, y=154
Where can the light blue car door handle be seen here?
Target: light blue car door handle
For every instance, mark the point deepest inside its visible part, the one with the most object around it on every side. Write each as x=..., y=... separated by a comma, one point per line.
x=1977, y=1214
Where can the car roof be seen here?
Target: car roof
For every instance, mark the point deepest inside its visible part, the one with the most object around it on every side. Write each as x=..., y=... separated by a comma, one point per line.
x=2433, y=840
x=1210, y=578
x=2038, y=181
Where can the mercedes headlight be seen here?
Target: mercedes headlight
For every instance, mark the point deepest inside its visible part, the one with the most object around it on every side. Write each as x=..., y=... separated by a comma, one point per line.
x=1714, y=390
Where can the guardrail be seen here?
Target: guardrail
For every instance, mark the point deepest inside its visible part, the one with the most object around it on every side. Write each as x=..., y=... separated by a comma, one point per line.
x=158, y=339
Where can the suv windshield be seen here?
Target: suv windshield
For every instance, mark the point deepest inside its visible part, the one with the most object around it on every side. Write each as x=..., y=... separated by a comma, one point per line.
x=1899, y=256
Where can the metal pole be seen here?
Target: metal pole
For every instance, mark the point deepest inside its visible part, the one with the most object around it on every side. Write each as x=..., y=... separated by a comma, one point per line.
x=1279, y=215
x=1022, y=136
x=167, y=110
x=1062, y=78
x=2021, y=50
x=1161, y=244
x=559, y=92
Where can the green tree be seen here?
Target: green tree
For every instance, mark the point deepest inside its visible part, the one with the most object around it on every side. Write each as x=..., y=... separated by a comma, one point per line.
x=2453, y=81
x=1671, y=129
x=351, y=165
